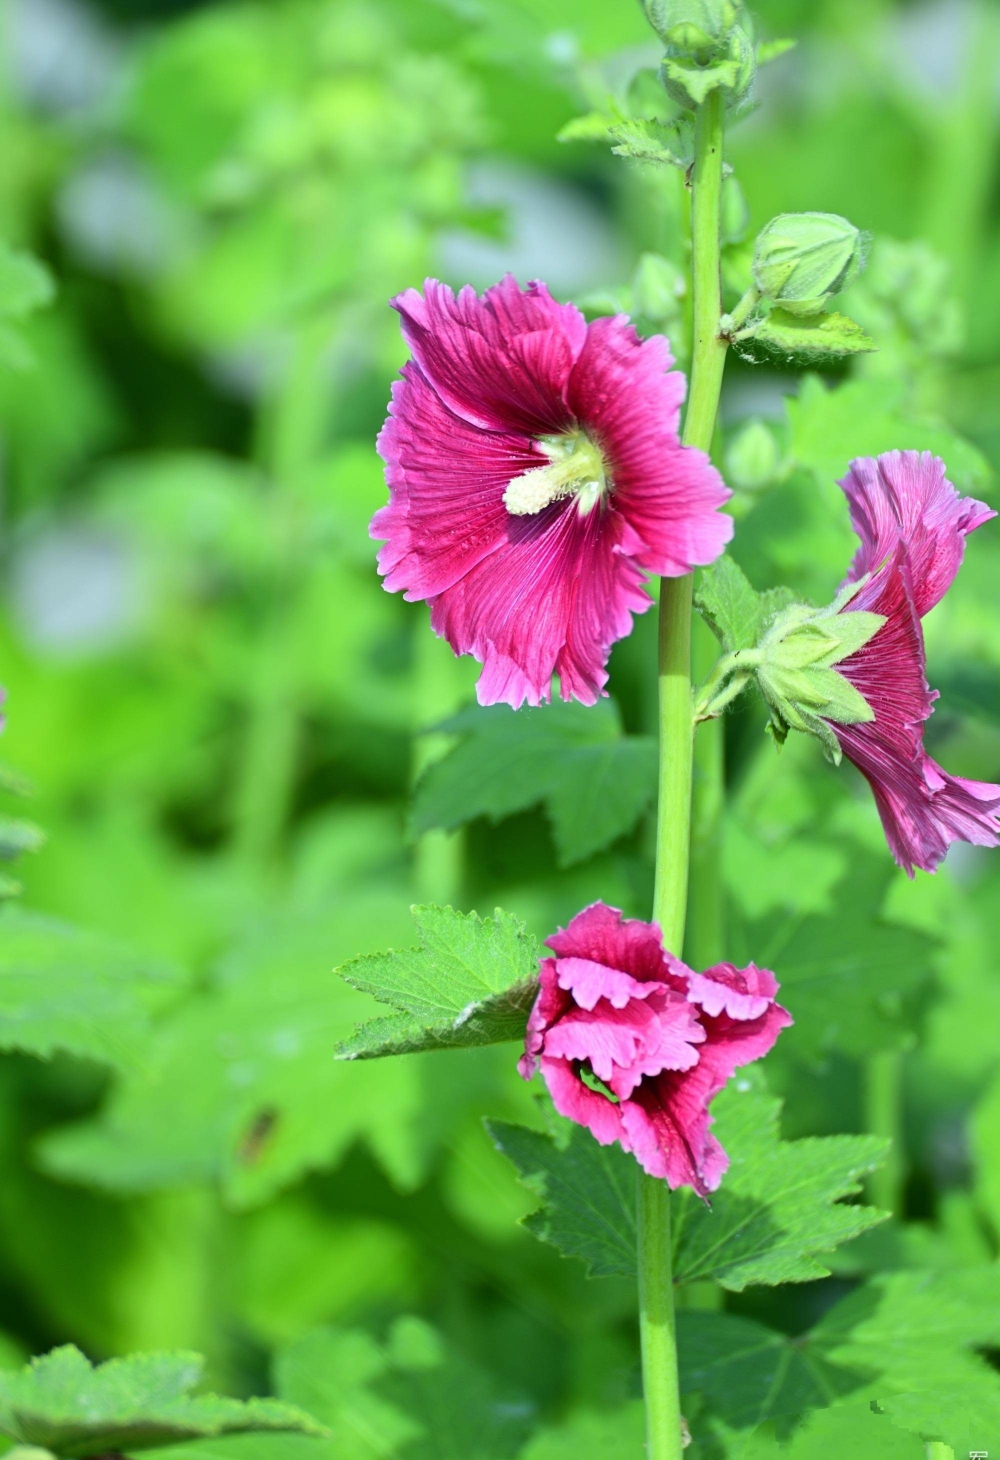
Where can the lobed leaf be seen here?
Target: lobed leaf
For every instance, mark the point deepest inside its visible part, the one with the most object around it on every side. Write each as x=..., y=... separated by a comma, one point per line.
x=64, y=1403
x=470, y=982
x=778, y=1210
x=594, y=781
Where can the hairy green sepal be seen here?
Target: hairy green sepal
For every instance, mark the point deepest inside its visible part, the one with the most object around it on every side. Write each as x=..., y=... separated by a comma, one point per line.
x=793, y=664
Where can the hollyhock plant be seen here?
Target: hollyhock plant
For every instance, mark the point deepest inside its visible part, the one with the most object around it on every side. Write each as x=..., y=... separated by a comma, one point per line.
x=634, y=1045
x=912, y=524
x=535, y=478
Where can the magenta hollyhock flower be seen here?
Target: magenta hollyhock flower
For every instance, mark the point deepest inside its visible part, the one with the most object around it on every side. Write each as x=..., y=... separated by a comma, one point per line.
x=634, y=1045
x=912, y=524
x=535, y=477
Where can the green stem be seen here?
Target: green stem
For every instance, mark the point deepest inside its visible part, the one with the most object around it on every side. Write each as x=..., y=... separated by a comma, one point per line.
x=673, y=834
x=657, y=1320
x=936, y=1450
x=883, y=1099
x=705, y=940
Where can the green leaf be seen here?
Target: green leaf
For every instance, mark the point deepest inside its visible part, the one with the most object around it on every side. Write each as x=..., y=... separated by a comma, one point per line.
x=641, y=138
x=777, y=1210
x=736, y=612
x=747, y=1373
x=771, y=50
x=848, y=1430
x=809, y=337
x=62, y=1402
x=692, y=80
x=411, y=1396
x=852, y=978
x=64, y=989
x=240, y=1083
x=917, y=1333
x=587, y=1191
x=594, y=781
x=471, y=981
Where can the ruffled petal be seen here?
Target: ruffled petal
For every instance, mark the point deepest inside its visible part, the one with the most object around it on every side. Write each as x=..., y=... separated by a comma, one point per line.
x=602, y=934
x=501, y=362
x=668, y=1117
x=552, y=600
x=573, y=1099
x=588, y=981
x=552, y=1002
x=905, y=497
x=446, y=484
x=623, y=391
x=923, y=809
x=742, y=993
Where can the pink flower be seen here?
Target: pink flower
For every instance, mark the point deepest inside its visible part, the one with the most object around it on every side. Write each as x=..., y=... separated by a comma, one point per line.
x=912, y=525
x=615, y=1010
x=535, y=477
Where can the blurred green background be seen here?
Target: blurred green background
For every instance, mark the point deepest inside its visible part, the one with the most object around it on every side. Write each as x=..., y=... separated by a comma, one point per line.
x=220, y=711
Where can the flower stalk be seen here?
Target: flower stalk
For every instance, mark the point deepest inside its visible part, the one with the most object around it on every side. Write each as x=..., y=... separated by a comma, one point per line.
x=676, y=742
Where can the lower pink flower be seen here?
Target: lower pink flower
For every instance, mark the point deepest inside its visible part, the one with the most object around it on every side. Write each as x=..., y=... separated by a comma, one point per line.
x=912, y=524
x=634, y=1045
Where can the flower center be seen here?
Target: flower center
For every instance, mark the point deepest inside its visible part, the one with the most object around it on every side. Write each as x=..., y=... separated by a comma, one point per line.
x=575, y=469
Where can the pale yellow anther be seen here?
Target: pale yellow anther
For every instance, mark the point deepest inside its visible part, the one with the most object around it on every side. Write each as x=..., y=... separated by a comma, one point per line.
x=575, y=469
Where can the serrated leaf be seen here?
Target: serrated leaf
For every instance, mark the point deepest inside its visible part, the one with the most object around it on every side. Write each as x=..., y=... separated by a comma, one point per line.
x=641, y=138
x=594, y=781
x=736, y=612
x=64, y=989
x=697, y=80
x=779, y=1207
x=64, y=1403
x=587, y=1190
x=809, y=337
x=470, y=982
x=747, y=1373
x=777, y=1211
x=241, y=1084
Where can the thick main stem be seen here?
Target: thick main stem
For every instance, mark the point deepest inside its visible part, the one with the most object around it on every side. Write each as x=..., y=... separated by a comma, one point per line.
x=673, y=834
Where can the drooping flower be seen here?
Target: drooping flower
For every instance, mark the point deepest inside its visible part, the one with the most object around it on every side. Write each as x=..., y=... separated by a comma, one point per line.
x=535, y=477
x=912, y=524
x=634, y=1045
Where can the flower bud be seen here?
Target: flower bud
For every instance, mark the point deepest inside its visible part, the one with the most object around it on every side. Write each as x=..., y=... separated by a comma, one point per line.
x=693, y=27
x=802, y=259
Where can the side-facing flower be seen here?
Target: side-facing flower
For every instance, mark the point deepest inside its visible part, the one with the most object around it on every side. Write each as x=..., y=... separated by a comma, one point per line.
x=912, y=524
x=535, y=477
x=634, y=1045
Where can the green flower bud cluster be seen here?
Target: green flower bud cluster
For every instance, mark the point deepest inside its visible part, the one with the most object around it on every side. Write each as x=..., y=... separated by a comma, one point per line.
x=696, y=27
x=793, y=666
x=802, y=259
x=709, y=45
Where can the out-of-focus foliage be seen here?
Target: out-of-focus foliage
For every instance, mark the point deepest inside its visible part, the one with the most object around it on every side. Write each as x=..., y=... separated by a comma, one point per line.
x=223, y=719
